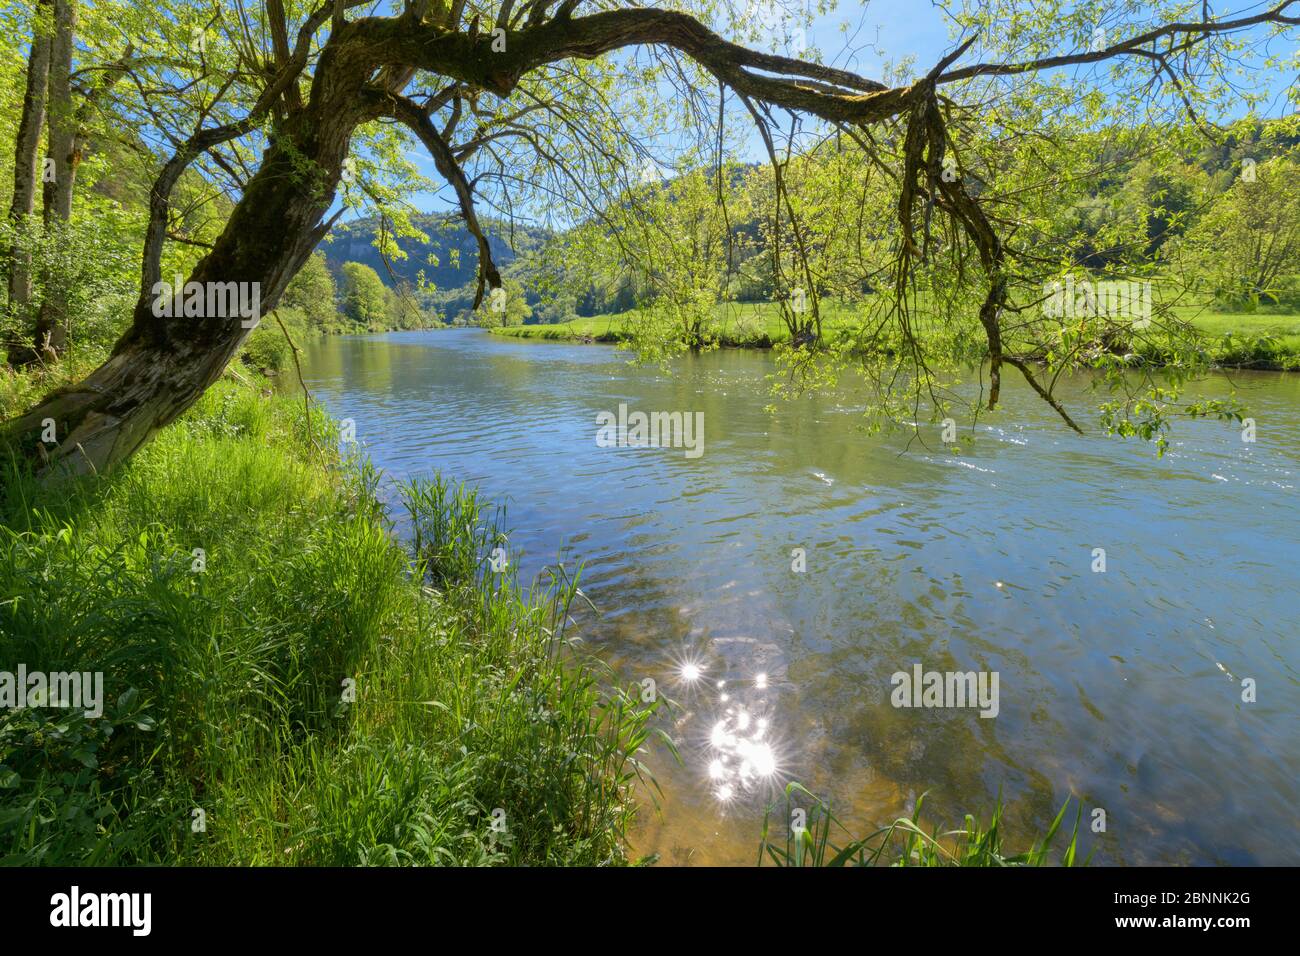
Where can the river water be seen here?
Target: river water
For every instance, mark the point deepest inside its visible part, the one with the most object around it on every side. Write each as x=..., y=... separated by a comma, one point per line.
x=775, y=583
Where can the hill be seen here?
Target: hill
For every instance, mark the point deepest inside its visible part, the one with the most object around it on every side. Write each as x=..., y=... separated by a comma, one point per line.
x=448, y=258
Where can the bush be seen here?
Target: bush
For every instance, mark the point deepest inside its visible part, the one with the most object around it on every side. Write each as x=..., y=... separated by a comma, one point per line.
x=266, y=348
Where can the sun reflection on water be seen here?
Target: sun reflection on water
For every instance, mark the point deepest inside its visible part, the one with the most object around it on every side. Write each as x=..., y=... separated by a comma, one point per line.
x=740, y=757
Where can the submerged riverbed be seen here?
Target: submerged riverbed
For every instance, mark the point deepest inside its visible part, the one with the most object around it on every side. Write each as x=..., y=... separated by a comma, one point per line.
x=774, y=583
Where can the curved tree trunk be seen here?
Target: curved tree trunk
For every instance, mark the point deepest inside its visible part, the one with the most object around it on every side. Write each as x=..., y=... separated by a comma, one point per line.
x=161, y=366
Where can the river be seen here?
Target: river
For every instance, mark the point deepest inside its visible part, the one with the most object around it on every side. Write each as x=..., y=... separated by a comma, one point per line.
x=775, y=583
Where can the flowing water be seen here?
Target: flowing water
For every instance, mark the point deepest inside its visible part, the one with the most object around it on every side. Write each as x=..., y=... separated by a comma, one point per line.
x=1123, y=688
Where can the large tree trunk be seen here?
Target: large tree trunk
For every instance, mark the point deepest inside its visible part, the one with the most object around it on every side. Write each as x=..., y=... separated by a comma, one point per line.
x=27, y=160
x=161, y=366
x=51, y=334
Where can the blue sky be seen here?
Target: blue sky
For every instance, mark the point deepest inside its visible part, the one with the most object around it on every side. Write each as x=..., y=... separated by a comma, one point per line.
x=898, y=27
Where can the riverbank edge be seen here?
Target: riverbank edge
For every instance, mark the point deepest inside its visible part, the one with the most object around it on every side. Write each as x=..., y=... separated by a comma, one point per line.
x=1244, y=356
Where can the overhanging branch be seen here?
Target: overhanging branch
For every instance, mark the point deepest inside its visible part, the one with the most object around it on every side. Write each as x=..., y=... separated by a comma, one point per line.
x=414, y=117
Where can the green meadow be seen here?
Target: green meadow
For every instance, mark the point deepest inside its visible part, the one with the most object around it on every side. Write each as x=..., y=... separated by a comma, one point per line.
x=1232, y=339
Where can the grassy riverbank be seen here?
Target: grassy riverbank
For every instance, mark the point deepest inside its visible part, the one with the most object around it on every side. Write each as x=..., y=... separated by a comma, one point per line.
x=469, y=741
x=1237, y=340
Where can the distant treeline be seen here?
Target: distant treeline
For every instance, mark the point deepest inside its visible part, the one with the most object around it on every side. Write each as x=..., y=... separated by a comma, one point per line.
x=1182, y=214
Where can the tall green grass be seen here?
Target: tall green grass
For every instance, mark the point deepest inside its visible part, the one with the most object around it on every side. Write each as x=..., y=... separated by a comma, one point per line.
x=461, y=736
x=817, y=840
